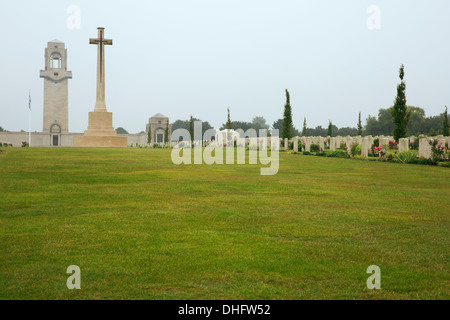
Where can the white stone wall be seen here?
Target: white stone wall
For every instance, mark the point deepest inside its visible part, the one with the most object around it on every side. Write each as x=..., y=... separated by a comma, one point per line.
x=139, y=139
x=40, y=139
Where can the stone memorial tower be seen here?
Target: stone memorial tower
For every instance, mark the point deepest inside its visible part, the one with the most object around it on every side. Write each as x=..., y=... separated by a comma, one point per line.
x=56, y=105
x=100, y=132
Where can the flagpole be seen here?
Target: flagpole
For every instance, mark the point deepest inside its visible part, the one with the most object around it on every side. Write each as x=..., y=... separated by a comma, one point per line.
x=29, y=119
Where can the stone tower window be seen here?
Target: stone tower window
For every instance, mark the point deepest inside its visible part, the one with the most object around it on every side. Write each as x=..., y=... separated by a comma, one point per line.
x=55, y=61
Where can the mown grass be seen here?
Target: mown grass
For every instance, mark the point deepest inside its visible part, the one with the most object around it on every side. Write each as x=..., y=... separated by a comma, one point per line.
x=140, y=227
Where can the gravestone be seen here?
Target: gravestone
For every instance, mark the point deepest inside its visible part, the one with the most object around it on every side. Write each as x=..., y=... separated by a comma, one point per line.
x=262, y=143
x=424, y=148
x=403, y=145
x=321, y=144
x=332, y=144
x=348, y=144
x=295, y=145
x=359, y=139
x=338, y=142
x=371, y=140
x=365, y=147
x=385, y=142
x=308, y=144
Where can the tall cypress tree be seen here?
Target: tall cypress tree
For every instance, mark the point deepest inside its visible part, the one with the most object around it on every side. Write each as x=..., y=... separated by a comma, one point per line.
x=399, y=112
x=286, y=130
x=166, y=133
x=445, y=128
x=330, y=129
x=191, y=128
x=304, y=128
x=360, y=128
x=229, y=125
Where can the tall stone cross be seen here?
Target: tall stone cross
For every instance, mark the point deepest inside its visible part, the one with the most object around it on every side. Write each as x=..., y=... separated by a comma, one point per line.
x=100, y=42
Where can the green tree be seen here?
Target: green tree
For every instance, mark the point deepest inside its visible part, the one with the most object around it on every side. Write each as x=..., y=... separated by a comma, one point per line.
x=121, y=130
x=191, y=128
x=360, y=127
x=259, y=123
x=318, y=131
x=185, y=124
x=286, y=131
x=445, y=129
x=400, y=113
x=279, y=126
x=346, y=131
x=1, y=129
x=229, y=125
x=330, y=129
x=237, y=125
x=416, y=124
x=166, y=133
x=304, y=128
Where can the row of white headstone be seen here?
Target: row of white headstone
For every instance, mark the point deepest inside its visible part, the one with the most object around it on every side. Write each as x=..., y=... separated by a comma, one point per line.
x=365, y=142
x=334, y=143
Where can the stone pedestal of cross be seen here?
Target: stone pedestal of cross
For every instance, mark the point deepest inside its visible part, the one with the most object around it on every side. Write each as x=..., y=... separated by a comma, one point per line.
x=100, y=132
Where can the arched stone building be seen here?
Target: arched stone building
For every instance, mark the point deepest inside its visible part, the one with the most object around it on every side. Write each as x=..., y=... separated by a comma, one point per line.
x=157, y=126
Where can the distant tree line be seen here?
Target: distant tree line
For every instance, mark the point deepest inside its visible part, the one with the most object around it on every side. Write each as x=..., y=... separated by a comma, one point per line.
x=121, y=130
x=188, y=125
x=418, y=123
x=257, y=124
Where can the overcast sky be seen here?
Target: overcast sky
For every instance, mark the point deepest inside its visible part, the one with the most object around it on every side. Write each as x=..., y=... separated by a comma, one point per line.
x=187, y=57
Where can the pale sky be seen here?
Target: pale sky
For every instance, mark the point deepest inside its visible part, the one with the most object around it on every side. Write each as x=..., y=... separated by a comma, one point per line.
x=187, y=57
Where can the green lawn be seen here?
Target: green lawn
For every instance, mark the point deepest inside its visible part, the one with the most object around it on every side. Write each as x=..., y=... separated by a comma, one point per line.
x=140, y=227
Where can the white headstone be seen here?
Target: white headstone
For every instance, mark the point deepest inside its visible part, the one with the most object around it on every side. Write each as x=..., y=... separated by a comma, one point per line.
x=308, y=144
x=365, y=147
x=332, y=144
x=321, y=144
x=403, y=145
x=424, y=148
